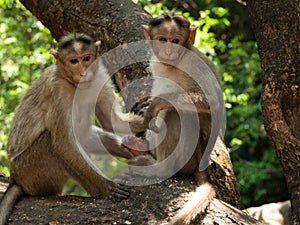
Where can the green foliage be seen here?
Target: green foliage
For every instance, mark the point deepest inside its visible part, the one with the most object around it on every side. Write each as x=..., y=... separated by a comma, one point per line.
x=110, y=167
x=260, y=180
x=24, y=54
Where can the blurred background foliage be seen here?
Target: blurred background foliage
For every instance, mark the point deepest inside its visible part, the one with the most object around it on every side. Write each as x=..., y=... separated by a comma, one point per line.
x=224, y=35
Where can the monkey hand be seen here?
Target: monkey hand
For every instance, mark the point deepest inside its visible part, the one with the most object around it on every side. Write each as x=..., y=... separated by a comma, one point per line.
x=118, y=192
x=137, y=146
x=157, y=105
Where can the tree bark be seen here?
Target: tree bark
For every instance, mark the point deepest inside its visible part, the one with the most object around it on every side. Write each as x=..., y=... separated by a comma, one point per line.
x=114, y=22
x=152, y=204
x=277, y=28
x=117, y=22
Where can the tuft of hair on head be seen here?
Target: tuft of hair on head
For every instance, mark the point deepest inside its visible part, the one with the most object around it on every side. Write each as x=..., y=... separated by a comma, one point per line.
x=69, y=39
x=178, y=19
x=181, y=21
x=159, y=20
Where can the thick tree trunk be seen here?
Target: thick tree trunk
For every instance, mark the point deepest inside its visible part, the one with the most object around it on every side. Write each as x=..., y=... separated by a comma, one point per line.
x=277, y=28
x=117, y=22
x=114, y=22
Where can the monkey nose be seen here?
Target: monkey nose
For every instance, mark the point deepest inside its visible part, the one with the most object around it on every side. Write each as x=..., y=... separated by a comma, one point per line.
x=168, y=51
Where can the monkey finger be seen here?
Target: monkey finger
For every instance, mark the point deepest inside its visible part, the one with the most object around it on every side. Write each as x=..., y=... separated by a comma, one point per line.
x=152, y=125
x=119, y=192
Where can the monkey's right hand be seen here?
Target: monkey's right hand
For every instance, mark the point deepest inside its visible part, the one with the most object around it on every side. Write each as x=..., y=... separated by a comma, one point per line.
x=119, y=192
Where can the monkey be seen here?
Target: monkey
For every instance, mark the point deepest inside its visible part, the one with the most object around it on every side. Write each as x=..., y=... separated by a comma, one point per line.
x=44, y=151
x=182, y=109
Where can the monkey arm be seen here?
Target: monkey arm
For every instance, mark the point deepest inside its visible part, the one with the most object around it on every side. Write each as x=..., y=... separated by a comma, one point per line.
x=191, y=102
x=127, y=123
x=18, y=143
x=109, y=113
x=73, y=157
x=104, y=107
x=101, y=142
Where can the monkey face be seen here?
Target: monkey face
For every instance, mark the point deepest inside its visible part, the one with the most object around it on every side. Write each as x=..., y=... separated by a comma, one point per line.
x=73, y=58
x=168, y=49
x=77, y=65
x=168, y=41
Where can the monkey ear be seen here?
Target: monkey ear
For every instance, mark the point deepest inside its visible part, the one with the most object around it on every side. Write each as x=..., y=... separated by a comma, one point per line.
x=192, y=36
x=54, y=53
x=147, y=32
x=97, y=43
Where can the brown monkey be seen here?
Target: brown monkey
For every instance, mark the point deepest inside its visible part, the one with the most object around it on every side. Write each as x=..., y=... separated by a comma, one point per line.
x=187, y=113
x=43, y=150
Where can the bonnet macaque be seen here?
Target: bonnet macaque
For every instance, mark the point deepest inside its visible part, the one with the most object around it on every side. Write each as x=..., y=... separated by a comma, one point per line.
x=186, y=95
x=44, y=151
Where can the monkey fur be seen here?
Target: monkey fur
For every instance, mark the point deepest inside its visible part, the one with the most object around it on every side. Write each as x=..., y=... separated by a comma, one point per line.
x=43, y=151
x=171, y=37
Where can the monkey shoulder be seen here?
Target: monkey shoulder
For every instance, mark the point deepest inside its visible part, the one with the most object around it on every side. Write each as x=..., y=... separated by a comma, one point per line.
x=31, y=115
x=28, y=123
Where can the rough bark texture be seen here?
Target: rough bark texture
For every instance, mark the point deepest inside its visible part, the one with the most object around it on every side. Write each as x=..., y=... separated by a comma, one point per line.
x=151, y=205
x=117, y=22
x=277, y=27
x=114, y=22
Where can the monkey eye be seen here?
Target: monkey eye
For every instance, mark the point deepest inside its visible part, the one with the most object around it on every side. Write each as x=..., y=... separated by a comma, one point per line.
x=74, y=61
x=175, y=41
x=86, y=59
x=162, y=40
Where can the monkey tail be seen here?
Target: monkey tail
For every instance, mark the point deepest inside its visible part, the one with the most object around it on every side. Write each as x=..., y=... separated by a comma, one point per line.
x=12, y=194
x=198, y=203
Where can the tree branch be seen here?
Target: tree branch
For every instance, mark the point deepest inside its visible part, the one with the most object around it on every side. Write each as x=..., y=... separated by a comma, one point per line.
x=153, y=204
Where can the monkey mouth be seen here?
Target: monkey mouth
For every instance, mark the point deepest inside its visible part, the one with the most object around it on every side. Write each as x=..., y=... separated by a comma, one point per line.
x=168, y=62
x=84, y=84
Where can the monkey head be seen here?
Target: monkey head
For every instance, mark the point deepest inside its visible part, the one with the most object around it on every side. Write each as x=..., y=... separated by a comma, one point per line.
x=76, y=52
x=170, y=36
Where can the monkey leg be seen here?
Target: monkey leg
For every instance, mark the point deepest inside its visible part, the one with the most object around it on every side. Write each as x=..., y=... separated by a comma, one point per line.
x=37, y=170
x=113, y=145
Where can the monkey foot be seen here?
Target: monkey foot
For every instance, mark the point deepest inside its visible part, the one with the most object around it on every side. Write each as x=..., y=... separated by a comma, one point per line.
x=137, y=146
